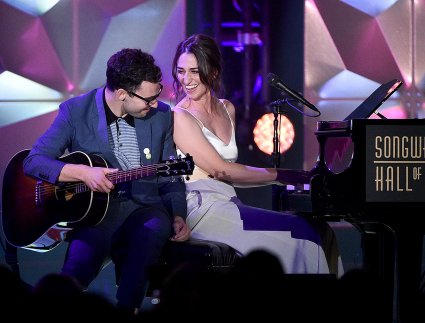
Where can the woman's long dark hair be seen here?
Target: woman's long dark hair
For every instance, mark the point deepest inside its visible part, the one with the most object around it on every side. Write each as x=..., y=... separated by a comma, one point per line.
x=209, y=59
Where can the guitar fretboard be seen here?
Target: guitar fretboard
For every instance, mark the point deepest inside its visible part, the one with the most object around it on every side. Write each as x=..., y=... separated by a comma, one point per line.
x=122, y=176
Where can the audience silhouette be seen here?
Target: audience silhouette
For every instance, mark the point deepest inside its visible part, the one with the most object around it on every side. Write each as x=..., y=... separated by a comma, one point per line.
x=256, y=286
x=14, y=294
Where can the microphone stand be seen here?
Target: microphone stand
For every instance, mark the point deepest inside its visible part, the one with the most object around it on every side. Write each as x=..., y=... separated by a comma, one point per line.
x=276, y=152
x=276, y=112
x=278, y=192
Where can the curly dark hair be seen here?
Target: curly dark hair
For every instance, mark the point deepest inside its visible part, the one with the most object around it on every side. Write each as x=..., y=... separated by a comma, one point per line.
x=209, y=59
x=129, y=67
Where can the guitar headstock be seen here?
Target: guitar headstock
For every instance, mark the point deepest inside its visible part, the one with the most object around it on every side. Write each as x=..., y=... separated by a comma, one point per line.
x=176, y=166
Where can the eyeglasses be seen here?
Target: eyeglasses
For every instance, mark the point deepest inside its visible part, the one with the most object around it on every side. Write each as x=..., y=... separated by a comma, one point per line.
x=150, y=99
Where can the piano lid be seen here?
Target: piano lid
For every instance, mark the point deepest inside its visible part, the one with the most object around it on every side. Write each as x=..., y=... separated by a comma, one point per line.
x=375, y=100
x=363, y=111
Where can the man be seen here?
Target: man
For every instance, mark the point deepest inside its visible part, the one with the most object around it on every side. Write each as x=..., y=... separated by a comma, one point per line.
x=128, y=127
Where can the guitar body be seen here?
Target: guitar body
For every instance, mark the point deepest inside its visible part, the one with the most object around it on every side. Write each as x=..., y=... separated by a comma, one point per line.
x=37, y=214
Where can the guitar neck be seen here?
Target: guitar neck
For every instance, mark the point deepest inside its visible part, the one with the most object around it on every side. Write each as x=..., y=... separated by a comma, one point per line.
x=122, y=176
x=172, y=167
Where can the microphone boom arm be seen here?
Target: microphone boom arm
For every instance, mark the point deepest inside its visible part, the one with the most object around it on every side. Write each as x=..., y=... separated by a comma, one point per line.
x=278, y=84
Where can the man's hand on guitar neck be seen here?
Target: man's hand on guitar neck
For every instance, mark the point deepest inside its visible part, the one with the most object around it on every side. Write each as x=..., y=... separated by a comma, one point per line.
x=94, y=177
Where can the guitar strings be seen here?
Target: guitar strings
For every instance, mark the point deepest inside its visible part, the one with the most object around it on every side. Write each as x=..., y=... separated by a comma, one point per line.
x=49, y=188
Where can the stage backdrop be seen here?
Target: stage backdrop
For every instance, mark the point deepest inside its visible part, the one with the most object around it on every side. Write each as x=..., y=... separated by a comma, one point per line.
x=352, y=47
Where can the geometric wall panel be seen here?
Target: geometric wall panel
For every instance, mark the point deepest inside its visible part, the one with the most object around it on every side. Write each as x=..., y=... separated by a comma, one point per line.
x=352, y=47
x=139, y=23
x=66, y=48
x=14, y=112
x=372, y=8
x=32, y=7
x=14, y=87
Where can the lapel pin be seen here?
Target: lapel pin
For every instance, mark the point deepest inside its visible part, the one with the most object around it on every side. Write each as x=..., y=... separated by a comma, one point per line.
x=147, y=153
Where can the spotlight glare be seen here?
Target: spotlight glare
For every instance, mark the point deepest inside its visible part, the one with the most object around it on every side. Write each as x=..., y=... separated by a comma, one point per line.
x=263, y=133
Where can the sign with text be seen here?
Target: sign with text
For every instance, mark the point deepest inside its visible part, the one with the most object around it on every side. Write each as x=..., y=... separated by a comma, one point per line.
x=395, y=163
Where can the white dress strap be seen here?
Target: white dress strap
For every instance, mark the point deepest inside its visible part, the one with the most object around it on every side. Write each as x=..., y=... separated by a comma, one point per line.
x=227, y=111
x=196, y=118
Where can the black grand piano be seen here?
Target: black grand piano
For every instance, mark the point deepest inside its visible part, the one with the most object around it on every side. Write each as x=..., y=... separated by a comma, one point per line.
x=371, y=172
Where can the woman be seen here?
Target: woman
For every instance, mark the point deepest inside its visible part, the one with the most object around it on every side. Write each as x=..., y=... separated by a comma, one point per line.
x=204, y=127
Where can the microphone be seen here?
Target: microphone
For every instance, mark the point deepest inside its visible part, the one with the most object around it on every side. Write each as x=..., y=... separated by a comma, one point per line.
x=278, y=84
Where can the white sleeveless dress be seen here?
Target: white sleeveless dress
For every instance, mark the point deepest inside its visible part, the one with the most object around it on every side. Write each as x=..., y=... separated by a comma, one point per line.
x=214, y=213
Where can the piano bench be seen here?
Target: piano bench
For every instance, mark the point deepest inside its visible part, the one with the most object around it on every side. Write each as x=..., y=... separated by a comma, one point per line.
x=209, y=255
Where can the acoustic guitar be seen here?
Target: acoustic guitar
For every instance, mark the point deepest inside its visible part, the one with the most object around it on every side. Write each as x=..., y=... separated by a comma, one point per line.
x=37, y=215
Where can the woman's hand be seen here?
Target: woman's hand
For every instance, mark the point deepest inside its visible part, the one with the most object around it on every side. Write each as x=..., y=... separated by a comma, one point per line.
x=293, y=177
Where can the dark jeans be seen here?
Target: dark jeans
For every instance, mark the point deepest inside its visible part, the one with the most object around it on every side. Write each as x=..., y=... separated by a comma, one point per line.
x=133, y=237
